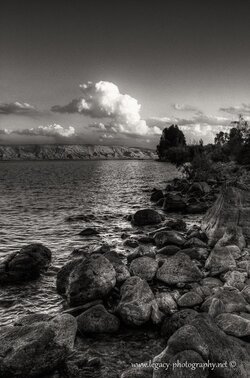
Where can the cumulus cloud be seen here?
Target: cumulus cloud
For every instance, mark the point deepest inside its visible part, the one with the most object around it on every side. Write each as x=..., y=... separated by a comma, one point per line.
x=199, y=126
x=41, y=134
x=104, y=100
x=53, y=130
x=20, y=108
x=240, y=109
x=185, y=107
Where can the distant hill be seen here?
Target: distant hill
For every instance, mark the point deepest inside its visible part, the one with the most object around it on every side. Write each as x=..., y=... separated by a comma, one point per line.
x=73, y=152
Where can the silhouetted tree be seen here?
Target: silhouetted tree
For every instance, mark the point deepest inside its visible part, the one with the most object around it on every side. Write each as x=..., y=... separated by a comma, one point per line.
x=171, y=137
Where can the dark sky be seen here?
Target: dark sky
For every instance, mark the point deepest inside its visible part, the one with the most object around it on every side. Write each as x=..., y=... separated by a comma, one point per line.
x=181, y=60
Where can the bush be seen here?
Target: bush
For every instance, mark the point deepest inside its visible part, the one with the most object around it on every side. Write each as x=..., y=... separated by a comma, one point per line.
x=243, y=156
x=177, y=155
x=199, y=169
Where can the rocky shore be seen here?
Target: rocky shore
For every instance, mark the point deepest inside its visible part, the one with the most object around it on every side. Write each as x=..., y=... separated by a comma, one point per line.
x=186, y=287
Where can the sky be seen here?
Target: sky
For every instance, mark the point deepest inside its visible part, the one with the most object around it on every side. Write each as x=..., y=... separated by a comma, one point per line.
x=118, y=72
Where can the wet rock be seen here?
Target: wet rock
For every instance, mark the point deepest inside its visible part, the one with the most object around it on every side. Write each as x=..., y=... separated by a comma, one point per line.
x=136, y=301
x=169, y=250
x=63, y=274
x=91, y=279
x=212, y=282
x=89, y=232
x=199, y=254
x=188, y=338
x=177, y=225
x=166, y=303
x=146, y=217
x=141, y=251
x=178, y=269
x=145, y=239
x=246, y=293
x=176, y=321
x=216, y=307
x=144, y=267
x=156, y=315
x=174, y=202
x=207, y=340
x=168, y=238
x=190, y=299
x=156, y=195
x=235, y=279
x=97, y=320
x=132, y=243
x=233, y=324
x=220, y=260
x=223, y=348
x=231, y=298
x=195, y=242
x=25, y=265
x=122, y=272
x=36, y=349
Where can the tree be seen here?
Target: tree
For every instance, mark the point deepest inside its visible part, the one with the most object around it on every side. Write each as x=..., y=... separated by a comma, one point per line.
x=221, y=138
x=171, y=137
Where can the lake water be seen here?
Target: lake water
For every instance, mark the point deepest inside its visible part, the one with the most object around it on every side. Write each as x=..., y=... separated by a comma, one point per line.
x=36, y=198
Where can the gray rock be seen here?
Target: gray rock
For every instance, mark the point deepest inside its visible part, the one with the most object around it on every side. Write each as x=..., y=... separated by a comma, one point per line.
x=233, y=324
x=176, y=321
x=166, y=303
x=36, y=349
x=231, y=298
x=97, y=320
x=25, y=265
x=235, y=279
x=144, y=267
x=146, y=217
x=188, y=338
x=91, y=279
x=169, y=250
x=63, y=274
x=135, y=306
x=220, y=260
x=168, y=238
x=89, y=232
x=178, y=269
x=190, y=299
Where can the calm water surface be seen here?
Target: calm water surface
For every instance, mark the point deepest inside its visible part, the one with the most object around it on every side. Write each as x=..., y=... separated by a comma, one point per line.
x=36, y=198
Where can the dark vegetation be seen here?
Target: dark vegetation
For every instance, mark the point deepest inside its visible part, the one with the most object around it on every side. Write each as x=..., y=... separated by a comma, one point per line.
x=197, y=160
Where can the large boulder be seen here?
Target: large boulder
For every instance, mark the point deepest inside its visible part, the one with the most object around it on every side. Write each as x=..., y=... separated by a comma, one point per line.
x=172, y=237
x=63, y=274
x=135, y=306
x=178, y=269
x=91, y=279
x=233, y=324
x=231, y=298
x=231, y=209
x=174, y=202
x=97, y=320
x=27, y=264
x=144, y=267
x=190, y=299
x=222, y=355
x=176, y=321
x=122, y=272
x=146, y=217
x=220, y=260
x=36, y=349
